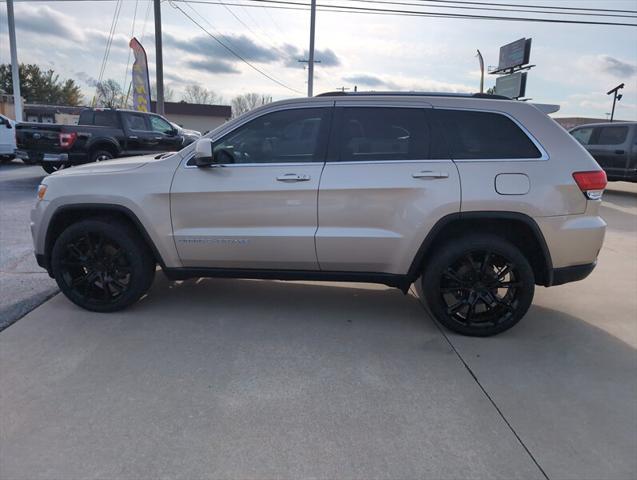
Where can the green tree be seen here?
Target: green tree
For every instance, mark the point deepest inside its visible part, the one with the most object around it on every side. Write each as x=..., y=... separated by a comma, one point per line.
x=41, y=86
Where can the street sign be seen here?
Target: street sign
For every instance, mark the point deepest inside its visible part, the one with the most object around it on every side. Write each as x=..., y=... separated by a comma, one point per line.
x=515, y=54
x=512, y=86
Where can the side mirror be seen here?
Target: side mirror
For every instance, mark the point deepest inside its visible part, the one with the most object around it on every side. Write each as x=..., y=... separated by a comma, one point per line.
x=9, y=125
x=203, y=152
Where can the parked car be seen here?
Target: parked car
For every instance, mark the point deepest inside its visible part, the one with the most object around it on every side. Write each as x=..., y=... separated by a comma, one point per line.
x=7, y=139
x=613, y=145
x=479, y=197
x=101, y=134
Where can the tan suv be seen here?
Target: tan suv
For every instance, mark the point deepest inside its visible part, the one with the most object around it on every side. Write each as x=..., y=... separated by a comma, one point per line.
x=480, y=197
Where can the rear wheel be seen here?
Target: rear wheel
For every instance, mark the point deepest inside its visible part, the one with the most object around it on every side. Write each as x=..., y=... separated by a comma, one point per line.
x=479, y=285
x=50, y=167
x=102, y=265
x=101, y=155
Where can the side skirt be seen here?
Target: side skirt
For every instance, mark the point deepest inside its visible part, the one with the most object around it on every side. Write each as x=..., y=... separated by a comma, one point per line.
x=392, y=280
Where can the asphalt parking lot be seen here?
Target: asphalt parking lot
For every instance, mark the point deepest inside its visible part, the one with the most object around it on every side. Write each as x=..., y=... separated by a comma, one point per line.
x=265, y=379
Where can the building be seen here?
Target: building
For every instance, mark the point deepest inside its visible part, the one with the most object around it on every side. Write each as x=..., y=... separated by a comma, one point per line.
x=196, y=116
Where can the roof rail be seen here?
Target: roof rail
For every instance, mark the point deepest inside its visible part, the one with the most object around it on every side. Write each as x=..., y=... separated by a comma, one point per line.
x=413, y=94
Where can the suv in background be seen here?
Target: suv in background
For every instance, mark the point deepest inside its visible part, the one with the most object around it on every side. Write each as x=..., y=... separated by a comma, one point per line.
x=101, y=134
x=476, y=197
x=613, y=145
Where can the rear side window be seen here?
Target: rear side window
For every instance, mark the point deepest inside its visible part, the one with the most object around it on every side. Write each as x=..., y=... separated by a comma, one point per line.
x=484, y=135
x=374, y=134
x=611, y=135
x=86, y=117
x=583, y=135
x=135, y=121
x=105, y=119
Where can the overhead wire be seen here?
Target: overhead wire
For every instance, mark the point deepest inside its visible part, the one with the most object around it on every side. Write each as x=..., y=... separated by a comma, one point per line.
x=229, y=49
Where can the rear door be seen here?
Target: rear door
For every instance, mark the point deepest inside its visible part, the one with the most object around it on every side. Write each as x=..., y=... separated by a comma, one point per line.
x=258, y=209
x=610, y=147
x=385, y=184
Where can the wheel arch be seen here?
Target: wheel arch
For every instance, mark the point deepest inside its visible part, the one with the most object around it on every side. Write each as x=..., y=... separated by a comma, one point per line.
x=518, y=228
x=66, y=215
x=108, y=144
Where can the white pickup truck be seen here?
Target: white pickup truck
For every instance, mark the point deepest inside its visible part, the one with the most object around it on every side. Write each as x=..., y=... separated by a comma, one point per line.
x=7, y=139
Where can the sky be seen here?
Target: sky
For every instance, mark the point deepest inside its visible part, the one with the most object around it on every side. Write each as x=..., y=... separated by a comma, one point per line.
x=575, y=64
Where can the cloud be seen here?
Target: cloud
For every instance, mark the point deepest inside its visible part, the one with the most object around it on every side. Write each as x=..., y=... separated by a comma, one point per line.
x=42, y=20
x=86, y=78
x=212, y=66
x=365, y=79
x=616, y=67
x=209, y=47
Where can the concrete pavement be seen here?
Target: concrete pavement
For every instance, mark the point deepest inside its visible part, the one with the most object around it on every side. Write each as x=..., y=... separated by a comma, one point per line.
x=23, y=284
x=256, y=379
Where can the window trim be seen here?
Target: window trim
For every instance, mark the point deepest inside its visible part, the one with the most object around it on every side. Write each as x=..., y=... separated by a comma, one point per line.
x=544, y=156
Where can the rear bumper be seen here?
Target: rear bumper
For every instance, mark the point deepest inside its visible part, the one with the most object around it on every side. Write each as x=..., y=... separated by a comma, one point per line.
x=572, y=274
x=40, y=157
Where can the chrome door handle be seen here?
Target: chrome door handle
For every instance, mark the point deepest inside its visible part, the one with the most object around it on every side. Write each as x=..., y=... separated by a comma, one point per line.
x=133, y=137
x=293, y=177
x=430, y=174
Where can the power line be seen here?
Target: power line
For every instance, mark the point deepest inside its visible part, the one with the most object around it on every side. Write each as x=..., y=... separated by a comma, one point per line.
x=427, y=13
x=255, y=68
x=109, y=42
x=552, y=7
x=543, y=12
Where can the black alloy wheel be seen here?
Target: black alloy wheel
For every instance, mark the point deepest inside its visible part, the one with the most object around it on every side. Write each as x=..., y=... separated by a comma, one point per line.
x=102, y=265
x=479, y=286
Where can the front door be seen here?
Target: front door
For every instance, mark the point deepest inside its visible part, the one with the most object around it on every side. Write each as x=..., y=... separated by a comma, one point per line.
x=165, y=134
x=384, y=186
x=258, y=209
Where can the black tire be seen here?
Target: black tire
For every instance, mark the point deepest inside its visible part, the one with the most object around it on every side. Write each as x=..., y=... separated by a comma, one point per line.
x=478, y=285
x=102, y=265
x=50, y=167
x=101, y=155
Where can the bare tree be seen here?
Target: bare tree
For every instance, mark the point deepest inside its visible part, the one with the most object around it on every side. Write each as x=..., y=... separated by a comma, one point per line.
x=248, y=101
x=169, y=93
x=109, y=94
x=197, y=94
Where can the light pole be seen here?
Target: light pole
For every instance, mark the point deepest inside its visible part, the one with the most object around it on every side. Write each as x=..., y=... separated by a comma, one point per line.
x=481, y=60
x=159, y=61
x=15, y=66
x=616, y=98
x=310, y=63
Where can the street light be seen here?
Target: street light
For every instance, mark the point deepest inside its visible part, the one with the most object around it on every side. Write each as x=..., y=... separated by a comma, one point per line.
x=616, y=98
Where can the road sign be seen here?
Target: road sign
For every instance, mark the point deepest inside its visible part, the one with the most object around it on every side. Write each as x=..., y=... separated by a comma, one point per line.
x=512, y=86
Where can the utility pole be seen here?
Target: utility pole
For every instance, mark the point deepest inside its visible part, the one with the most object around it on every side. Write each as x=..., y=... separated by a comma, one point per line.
x=310, y=66
x=15, y=66
x=616, y=98
x=481, y=60
x=159, y=61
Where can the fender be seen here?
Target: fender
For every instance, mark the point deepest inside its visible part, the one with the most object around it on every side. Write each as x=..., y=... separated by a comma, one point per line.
x=415, y=268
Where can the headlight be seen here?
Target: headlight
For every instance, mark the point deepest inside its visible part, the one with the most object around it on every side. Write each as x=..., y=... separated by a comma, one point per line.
x=41, y=191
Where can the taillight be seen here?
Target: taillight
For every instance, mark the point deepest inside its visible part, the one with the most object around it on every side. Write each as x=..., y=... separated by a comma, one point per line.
x=592, y=184
x=67, y=139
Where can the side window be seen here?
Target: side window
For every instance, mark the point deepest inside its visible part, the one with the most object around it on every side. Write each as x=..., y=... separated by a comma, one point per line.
x=296, y=135
x=160, y=125
x=583, y=135
x=135, y=121
x=484, y=135
x=612, y=135
x=376, y=133
x=105, y=119
x=86, y=117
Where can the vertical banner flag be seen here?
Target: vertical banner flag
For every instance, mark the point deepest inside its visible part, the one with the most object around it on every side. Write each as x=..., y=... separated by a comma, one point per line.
x=141, y=82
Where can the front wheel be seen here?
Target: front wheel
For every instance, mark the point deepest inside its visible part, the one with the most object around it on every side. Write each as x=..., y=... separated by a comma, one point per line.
x=479, y=285
x=102, y=265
